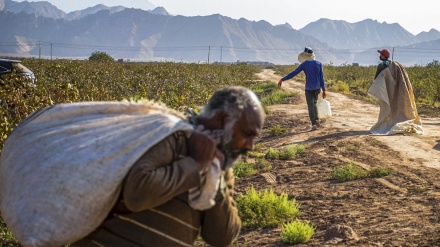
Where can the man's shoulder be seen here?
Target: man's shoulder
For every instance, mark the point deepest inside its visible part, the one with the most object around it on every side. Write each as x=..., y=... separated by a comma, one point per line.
x=313, y=63
x=385, y=63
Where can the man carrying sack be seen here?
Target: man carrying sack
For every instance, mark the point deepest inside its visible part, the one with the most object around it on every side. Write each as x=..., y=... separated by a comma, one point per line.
x=127, y=174
x=393, y=91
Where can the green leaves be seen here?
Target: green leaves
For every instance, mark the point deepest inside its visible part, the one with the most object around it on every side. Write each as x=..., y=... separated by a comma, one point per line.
x=261, y=209
x=178, y=85
x=100, y=56
x=297, y=232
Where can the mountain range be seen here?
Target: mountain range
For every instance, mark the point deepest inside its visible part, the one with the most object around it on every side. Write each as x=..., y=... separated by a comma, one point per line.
x=31, y=29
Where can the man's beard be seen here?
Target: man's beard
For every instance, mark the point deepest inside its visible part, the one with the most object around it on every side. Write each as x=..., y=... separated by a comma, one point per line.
x=231, y=154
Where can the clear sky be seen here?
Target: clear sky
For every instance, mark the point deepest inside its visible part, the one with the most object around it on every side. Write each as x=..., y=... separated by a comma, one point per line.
x=413, y=15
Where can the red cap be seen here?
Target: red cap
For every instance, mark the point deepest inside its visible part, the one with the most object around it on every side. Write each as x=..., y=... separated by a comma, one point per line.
x=384, y=53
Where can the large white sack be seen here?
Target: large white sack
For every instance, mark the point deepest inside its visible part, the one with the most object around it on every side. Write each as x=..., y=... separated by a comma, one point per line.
x=61, y=169
x=398, y=114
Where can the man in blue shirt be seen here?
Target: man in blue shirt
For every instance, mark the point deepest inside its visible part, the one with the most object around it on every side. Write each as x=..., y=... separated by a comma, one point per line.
x=314, y=82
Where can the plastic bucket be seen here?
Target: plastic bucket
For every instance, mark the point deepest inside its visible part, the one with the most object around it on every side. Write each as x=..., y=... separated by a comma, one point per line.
x=324, y=109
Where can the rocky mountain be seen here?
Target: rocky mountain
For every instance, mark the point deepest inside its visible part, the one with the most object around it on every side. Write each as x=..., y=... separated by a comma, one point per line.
x=40, y=29
x=428, y=36
x=159, y=11
x=359, y=35
x=46, y=9
x=141, y=35
x=41, y=8
x=92, y=10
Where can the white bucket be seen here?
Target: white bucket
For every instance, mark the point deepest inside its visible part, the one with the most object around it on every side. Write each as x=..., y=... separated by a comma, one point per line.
x=324, y=109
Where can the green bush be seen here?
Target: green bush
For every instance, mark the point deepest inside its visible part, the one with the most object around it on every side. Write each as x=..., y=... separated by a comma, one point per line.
x=351, y=172
x=291, y=150
x=263, y=88
x=178, y=85
x=254, y=154
x=258, y=147
x=286, y=153
x=277, y=97
x=380, y=172
x=341, y=87
x=348, y=172
x=263, y=165
x=100, y=56
x=244, y=169
x=264, y=209
x=272, y=154
x=296, y=232
x=277, y=130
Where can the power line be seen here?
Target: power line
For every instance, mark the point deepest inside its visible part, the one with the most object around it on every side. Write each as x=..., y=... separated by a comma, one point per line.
x=205, y=48
x=420, y=52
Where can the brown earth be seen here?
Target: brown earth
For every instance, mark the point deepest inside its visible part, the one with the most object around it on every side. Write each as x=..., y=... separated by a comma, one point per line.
x=401, y=209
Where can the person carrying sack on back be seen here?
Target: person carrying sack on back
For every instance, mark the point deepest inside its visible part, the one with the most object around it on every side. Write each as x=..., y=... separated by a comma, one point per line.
x=163, y=200
x=127, y=174
x=314, y=72
x=384, y=56
x=392, y=89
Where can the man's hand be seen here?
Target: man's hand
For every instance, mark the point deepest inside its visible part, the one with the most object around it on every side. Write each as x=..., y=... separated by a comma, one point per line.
x=324, y=95
x=280, y=82
x=202, y=147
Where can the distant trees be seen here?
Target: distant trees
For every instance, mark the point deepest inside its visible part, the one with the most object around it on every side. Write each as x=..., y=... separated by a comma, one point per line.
x=101, y=56
x=434, y=63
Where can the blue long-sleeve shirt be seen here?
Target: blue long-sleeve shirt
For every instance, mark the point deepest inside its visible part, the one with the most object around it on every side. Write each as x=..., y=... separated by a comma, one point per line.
x=314, y=74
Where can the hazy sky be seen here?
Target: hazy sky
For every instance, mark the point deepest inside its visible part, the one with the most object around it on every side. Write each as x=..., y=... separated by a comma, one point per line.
x=413, y=15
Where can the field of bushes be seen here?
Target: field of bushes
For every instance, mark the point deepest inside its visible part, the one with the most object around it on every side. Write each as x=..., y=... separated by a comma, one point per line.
x=180, y=86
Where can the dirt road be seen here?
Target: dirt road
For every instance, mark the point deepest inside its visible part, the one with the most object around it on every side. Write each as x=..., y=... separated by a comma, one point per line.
x=354, y=117
x=402, y=209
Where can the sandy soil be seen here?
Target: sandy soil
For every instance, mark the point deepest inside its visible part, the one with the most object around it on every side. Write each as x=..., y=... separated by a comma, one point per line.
x=402, y=209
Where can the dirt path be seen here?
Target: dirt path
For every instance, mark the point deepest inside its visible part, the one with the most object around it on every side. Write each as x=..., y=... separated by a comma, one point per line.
x=354, y=117
x=402, y=209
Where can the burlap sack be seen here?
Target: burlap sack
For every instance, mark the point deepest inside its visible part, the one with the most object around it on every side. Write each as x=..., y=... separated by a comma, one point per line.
x=392, y=89
x=61, y=169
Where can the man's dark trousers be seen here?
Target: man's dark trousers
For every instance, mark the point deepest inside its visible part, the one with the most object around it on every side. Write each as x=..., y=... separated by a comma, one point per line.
x=312, y=98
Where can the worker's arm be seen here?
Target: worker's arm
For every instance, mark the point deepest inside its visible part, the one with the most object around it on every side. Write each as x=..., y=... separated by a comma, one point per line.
x=221, y=224
x=163, y=172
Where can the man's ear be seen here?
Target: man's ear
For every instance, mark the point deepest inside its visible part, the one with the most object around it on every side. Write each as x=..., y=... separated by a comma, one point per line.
x=220, y=119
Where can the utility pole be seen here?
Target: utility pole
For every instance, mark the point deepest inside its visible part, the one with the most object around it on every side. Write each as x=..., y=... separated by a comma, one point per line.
x=209, y=52
x=51, y=51
x=39, y=55
x=392, y=55
x=221, y=53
